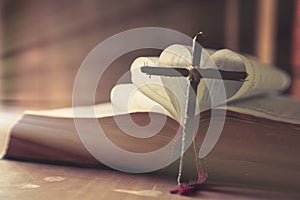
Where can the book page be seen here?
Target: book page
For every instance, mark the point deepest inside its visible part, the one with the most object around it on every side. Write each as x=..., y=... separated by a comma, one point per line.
x=125, y=98
x=278, y=108
x=101, y=110
x=152, y=86
x=261, y=79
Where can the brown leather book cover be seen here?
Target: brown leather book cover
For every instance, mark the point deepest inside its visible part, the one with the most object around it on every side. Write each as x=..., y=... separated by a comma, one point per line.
x=250, y=151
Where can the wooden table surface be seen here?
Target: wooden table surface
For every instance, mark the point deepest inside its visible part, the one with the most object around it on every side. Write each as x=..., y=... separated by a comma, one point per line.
x=22, y=180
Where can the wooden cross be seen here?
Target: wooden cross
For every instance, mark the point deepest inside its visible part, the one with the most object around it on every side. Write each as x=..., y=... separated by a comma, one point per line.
x=194, y=74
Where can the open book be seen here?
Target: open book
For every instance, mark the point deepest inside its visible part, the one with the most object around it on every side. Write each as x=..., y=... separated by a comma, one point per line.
x=140, y=129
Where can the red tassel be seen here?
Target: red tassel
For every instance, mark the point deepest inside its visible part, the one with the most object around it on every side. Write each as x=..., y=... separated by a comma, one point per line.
x=187, y=190
x=183, y=190
x=190, y=189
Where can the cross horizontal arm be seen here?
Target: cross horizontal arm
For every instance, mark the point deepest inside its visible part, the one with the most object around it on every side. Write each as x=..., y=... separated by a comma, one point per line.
x=204, y=73
x=166, y=71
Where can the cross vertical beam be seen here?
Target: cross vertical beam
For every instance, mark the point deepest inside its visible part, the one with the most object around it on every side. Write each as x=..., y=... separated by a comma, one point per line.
x=194, y=79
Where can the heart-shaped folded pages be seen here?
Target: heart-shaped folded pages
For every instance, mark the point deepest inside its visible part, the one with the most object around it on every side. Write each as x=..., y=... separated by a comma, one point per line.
x=170, y=92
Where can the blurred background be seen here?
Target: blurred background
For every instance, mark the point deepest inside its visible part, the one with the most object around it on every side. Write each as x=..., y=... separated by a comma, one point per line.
x=43, y=42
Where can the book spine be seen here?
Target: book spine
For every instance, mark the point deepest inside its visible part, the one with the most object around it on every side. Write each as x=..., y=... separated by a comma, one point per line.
x=296, y=52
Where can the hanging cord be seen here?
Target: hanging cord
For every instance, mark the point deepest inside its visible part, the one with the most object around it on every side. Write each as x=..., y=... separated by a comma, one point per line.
x=183, y=189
